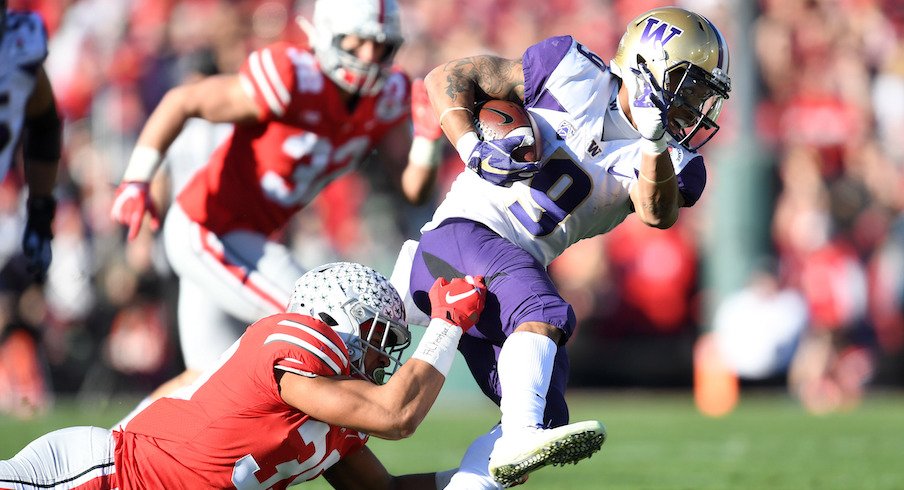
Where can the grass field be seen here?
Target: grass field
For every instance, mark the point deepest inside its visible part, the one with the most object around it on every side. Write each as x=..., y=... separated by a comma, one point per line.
x=656, y=441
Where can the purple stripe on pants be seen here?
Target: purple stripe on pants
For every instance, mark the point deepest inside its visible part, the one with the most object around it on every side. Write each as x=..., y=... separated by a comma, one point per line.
x=520, y=290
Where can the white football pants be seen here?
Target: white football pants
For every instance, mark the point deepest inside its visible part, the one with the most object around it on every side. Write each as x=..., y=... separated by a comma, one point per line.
x=225, y=283
x=75, y=457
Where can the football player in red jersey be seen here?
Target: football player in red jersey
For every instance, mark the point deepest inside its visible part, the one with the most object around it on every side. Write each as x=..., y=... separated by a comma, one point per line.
x=28, y=113
x=294, y=398
x=302, y=117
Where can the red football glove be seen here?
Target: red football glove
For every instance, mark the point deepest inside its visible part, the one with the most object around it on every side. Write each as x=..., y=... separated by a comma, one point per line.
x=132, y=200
x=425, y=123
x=458, y=301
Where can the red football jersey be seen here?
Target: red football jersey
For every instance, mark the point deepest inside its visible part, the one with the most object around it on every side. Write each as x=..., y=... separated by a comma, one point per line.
x=232, y=429
x=265, y=172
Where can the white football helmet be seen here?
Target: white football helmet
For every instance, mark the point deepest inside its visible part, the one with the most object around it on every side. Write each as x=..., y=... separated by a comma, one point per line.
x=688, y=58
x=367, y=19
x=345, y=295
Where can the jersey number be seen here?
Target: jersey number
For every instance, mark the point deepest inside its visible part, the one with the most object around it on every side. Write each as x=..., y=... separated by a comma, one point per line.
x=309, y=178
x=555, y=192
x=311, y=432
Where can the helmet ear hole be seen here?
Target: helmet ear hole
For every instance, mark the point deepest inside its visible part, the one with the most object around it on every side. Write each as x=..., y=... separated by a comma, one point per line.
x=329, y=320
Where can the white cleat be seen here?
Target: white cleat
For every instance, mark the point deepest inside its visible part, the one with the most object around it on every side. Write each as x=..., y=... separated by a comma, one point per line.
x=516, y=456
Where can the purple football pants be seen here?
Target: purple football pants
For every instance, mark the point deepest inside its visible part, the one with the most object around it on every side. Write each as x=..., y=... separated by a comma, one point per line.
x=519, y=290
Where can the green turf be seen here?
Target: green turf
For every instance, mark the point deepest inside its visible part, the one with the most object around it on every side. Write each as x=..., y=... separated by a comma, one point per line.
x=656, y=441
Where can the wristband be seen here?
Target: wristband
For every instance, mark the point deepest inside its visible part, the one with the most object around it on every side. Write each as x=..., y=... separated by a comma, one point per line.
x=655, y=147
x=466, y=144
x=663, y=181
x=447, y=110
x=438, y=345
x=425, y=152
x=142, y=164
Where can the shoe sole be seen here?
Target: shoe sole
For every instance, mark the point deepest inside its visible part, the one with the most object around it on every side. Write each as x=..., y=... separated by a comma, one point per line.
x=566, y=450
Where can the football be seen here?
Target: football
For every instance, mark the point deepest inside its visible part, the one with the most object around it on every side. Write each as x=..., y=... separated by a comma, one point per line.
x=497, y=119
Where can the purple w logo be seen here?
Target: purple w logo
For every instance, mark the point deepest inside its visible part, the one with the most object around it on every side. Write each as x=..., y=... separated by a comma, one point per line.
x=659, y=32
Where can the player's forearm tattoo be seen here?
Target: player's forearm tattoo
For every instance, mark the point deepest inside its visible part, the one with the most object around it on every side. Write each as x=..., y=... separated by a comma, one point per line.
x=484, y=77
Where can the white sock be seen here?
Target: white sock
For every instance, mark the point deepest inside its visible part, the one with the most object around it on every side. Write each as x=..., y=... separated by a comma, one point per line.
x=474, y=473
x=525, y=368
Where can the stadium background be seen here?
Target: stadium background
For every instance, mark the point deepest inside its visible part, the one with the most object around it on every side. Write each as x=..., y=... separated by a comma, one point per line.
x=805, y=183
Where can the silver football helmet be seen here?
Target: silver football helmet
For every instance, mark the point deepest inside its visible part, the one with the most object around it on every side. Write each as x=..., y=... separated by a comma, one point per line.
x=367, y=19
x=688, y=57
x=347, y=296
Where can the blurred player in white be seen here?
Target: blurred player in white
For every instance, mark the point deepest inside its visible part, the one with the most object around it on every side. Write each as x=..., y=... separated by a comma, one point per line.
x=28, y=114
x=301, y=119
x=617, y=139
x=295, y=397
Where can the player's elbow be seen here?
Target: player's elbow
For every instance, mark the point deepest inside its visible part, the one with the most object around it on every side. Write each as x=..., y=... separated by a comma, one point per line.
x=662, y=221
x=417, y=196
x=407, y=423
x=400, y=425
x=417, y=184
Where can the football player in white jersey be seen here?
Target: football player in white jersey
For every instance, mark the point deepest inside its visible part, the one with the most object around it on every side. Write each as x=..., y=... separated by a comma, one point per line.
x=301, y=118
x=295, y=398
x=618, y=138
x=28, y=115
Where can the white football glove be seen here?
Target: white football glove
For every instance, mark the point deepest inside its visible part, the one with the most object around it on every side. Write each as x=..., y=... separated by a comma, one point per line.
x=648, y=107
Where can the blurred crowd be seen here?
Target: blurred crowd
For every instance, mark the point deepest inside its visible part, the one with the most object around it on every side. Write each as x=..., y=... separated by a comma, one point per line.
x=829, y=119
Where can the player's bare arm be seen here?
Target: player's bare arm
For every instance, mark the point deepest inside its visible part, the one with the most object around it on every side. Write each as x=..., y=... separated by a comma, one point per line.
x=391, y=411
x=459, y=83
x=655, y=194
x=218, y=98
x=395, y=409
x=414, y=181
x=363, y=471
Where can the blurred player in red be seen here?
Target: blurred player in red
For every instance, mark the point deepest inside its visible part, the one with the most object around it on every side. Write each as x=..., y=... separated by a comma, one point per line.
x=302, y=118
x=28, y=114
x=295, y=397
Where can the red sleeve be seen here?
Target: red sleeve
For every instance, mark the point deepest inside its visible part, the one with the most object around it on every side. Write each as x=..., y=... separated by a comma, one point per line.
x=273, y=74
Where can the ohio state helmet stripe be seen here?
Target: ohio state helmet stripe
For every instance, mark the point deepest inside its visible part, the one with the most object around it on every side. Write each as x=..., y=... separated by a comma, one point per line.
x=282, y=337
x=263, y=85
x=319, y=336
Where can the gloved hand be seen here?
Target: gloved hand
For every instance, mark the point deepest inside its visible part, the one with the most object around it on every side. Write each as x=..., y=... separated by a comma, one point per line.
x=648, y=107
x=459, y=301
x=422, y=116
x=492, y=160
x=132, y=201
x=38, y=234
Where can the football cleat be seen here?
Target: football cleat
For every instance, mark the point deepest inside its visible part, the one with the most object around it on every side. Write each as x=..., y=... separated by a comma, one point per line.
x=515, y=457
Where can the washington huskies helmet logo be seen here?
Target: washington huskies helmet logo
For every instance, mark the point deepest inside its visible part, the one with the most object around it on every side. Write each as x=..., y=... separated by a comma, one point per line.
x=657, y=30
